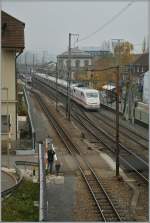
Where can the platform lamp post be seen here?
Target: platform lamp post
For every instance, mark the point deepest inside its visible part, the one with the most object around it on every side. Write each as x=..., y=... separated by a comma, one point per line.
x=8, y=134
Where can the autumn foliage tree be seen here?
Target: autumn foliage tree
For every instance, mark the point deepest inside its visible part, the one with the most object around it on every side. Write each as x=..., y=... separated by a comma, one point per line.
x=124, y=52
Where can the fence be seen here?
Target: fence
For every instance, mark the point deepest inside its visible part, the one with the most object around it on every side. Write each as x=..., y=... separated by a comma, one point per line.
x=19, y=176
x=30, y=118
x=42, y=179
x=141, y=114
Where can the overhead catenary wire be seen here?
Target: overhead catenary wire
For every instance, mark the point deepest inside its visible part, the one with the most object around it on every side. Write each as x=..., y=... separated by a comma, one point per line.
x=108, y=22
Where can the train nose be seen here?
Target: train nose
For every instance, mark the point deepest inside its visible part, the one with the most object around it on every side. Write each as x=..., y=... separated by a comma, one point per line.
x=92, y=101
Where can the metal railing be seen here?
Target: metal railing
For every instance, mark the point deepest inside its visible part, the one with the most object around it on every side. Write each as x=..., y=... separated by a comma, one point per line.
x=13, y=188
x=30, y=118
x=42, y=180
x=19, y=177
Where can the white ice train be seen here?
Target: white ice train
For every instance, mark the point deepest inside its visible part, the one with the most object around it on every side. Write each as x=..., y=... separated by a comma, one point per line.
x=88, y=98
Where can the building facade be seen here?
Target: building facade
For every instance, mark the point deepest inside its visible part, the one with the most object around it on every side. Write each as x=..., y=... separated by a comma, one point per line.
x=12, y=34
x=97, y=52
x=137, y=68
x=80, y=60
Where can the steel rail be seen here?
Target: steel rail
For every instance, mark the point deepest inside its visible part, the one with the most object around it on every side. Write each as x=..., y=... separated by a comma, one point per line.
x=67, y=139
x=64, y=137
x=99, y=115
x=81, y=122
x=110, y=148
x=123, y=130
x=109, y=108
x=123, y=160
x=105, y=216
x=111, y=138
x=136, y=120
x=98, y=180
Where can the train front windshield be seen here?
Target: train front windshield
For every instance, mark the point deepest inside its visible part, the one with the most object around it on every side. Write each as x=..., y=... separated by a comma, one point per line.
x=92, y=95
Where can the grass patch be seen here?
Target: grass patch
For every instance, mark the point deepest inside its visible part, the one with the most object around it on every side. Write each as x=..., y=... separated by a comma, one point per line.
x=20, y=205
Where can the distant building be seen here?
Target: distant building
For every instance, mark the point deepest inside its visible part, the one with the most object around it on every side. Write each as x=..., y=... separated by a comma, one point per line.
x=80, y=60
x=97, y=51
x=12, y=40
x=146, y=85
x=47, y=68
x=137, y=68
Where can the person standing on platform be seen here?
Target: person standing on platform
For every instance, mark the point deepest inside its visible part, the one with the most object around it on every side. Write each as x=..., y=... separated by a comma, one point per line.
x=57, y=167
x=51, y=154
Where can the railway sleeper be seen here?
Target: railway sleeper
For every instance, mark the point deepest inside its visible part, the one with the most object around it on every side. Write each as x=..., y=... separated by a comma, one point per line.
x=96, y=189
x=111, y=219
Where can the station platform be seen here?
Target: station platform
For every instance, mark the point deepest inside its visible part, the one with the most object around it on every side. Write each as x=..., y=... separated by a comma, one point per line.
x=68, y=198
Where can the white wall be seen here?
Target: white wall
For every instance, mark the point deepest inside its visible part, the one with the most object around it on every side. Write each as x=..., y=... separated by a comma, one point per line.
x=8, y=81
x=146, y=88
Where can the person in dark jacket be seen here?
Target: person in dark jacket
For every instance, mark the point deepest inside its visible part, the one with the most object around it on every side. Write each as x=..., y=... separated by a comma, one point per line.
x=51, y=154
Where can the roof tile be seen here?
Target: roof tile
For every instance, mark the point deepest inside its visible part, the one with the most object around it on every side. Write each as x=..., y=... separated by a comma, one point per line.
x=12, y=32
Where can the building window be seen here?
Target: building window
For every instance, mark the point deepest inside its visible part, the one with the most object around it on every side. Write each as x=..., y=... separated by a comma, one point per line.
x=142, y=69
x=77, y=64
x=86, y=63
x=61, y=64
x=67, y=64
x=5, y=123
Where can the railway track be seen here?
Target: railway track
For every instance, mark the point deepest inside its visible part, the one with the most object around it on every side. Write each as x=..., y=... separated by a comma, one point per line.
x=132, y=141
x=131, y=134
x=45, y=89
x=140, y=123
x=134, y=136
x=106, y=209
x=128, y=158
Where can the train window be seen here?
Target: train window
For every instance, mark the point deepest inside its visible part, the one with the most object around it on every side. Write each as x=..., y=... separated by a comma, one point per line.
x=82, y=94
x=92, y=95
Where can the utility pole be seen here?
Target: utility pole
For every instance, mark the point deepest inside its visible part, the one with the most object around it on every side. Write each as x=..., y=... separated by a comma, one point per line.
x=56, y=87
x=42, y=59
x=33, y=61
x=26, y=61
x=117, y=108
x=69, y=79
x=68, y=106
x=131, y=97
x=117, y=123
x=26, y=69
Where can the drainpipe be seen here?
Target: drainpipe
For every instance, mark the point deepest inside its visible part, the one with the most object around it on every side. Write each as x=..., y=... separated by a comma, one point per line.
x=16, y=85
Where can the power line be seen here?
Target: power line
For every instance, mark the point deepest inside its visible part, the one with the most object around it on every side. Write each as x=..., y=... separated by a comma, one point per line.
x=108, y=22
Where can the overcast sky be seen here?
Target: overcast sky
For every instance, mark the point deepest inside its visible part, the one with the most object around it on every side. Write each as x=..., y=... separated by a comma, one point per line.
x=47, y=23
